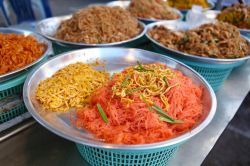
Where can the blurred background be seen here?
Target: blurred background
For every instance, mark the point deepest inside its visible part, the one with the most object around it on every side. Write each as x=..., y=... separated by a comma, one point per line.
x=39, y=9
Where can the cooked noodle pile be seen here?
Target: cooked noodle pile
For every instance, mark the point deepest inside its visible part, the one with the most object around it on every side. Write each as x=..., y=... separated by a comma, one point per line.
x=215, y=40
x=238, y=15
x=70, y=87
x=154, y=9
x=143, y=104
x=187, y=4
x=17, y=51
x=98, y=25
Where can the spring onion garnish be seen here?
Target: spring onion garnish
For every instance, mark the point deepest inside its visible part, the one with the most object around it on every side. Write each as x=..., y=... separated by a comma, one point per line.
x=144, y=99
x=125, y=81
x=140, y=68
x=134, y=90
x=165, y=80
x=165, y=117
x=169, y=121
x=160, y=111
x=102, y=113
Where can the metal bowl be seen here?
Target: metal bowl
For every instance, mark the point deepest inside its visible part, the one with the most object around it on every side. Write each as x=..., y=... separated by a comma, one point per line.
x=125, y=4
x=212, y=14
x=49, y=26
x=177, y=26
x=17, y=72
x=116, y=59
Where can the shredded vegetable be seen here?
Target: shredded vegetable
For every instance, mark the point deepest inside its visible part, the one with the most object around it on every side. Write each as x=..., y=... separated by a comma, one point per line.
x=17, y=51
x=70, y=87
x=154, y=112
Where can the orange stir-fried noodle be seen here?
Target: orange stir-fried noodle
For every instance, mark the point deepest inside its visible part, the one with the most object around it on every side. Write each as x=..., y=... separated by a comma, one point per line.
x=17, y=51
x=143, y=104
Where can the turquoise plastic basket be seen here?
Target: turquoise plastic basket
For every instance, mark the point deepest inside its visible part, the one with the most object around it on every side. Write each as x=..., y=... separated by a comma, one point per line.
x=215, y=74
x=14, y=112
x=110, y=157
x=9, y=88
x=13, y=86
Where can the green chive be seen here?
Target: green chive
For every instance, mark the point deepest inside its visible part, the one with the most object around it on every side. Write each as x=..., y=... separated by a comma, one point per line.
x=134, y=90
x=140, y=68
x=102, y=113
x=165, y=80
x=169, y=121
x=125, y=81
x=144, y=99
x=160, y=111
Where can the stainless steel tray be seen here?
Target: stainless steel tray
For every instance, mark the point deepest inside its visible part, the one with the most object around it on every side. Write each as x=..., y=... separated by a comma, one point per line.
x=49, y=26
x=15, y=73
x=177, y=26
x=116, y=59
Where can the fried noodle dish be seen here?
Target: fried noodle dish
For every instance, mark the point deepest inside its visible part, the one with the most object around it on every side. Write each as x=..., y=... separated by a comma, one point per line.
x=70, y=87
x=152, y=9
x=238, y=15
x=99, y=25
x=142, y=104
x=215, y=40
x=17, y=51
x=187, y=4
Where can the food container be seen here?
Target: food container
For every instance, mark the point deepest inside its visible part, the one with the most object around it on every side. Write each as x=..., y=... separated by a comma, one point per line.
x=48, y=28
x=125, y=4
x=214, y=70
x=212, y=14
x=93, y=150
x=18, y=72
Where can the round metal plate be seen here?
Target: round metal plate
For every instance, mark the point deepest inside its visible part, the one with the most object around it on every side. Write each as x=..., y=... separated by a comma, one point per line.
x=183, y=26
x=49, y=26
x=15, y=73
x=116, y=59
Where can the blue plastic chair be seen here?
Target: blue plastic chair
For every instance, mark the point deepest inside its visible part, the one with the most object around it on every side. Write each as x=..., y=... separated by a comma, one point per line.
x=18, y=11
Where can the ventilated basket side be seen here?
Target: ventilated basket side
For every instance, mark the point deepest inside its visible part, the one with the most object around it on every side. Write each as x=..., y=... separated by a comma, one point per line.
x=8, y=88
x=14, y=112
x=107, y=157
x=215, y=74
x=11, y=91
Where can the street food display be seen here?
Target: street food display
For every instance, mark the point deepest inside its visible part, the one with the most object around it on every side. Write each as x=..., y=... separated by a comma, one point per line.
x=152, y=9
x=238, y=15
x=17, y=51
x=99, y=25
x=187, y=4
x=214, y=40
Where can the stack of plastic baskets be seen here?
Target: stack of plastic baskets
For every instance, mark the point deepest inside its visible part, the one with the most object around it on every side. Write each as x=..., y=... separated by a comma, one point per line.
x=8, y=88
x=107, y=157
